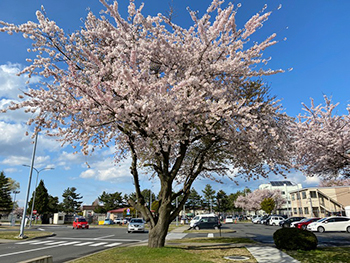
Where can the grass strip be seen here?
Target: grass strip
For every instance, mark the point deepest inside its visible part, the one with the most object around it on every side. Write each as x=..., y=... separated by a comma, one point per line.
x=13, y=235
x=322, y=254
x=226, y=240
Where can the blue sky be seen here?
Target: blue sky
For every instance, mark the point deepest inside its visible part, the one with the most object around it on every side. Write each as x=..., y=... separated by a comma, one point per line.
x=313, y=40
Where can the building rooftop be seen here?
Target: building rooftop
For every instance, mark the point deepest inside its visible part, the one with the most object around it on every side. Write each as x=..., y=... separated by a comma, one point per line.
x=281, y=183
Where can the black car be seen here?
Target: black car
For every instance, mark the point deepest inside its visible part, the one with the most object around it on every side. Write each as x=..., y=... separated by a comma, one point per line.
x=288, y=221
x=207, y=223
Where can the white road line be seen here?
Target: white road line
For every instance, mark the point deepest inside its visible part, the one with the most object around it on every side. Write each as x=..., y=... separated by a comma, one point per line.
x=83, y=244
x=97, y=238
x=25, y=242
x=55, y=243
x=40, y=242
x=210, y=235
x=89, y=238
x=28, y=251
x=70, y=243
x=113, y=245
x=98, y=244
x=41, y=229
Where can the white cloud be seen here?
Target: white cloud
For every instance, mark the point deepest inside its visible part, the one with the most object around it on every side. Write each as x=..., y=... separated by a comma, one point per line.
x=16, y=160
x=106, y=170
x=10, y=84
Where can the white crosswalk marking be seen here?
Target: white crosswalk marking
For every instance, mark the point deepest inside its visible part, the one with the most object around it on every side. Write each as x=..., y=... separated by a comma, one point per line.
x=41, y=242
x=83, y=244
x=67, y=243
x=113, y=245
x=70, y=243
x=26, y=242
x=98, y=244
x=55, y=243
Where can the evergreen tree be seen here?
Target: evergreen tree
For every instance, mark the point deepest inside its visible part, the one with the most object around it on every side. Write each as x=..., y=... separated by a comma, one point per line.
x=70, y=200
x=41, y=202
x=5, y=195
x=209, y=197
x=110, y=201
x=268, y=205
x=53, y=205
x=194, y=201
x=222, y=202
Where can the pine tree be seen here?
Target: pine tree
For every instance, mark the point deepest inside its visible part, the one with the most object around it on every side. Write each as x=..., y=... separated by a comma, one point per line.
x=5, y=195
x=70, y=200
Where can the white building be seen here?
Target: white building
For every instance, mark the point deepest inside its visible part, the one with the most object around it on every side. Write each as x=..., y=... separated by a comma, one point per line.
x=285, y=187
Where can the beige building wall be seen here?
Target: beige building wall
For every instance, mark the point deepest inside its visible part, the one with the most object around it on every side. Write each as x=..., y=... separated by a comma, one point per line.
x=320, y=202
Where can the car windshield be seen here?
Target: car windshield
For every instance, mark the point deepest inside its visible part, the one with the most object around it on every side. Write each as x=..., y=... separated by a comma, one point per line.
x=322, y=219
x=136, y=221
x=81, y=220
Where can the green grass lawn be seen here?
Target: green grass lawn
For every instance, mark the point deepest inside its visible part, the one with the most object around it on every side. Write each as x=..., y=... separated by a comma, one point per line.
x=168, y=254
x=13, y=235
x=322, y=255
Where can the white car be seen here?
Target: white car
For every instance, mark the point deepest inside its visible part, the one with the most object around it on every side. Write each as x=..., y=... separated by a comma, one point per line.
x=333, y=223
x=275, y=220
x=136, y=225
x=229, y=219
x=256, y=220
x=198, y=218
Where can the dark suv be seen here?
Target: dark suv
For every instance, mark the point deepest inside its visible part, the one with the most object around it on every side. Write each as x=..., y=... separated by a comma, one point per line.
x=288, y=221
x=207, y=222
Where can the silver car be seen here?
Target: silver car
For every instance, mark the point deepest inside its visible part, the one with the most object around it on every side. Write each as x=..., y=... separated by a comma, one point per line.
x=136, y=225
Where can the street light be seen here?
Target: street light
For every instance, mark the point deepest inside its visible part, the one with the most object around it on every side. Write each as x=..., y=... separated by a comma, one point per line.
x=36, y=184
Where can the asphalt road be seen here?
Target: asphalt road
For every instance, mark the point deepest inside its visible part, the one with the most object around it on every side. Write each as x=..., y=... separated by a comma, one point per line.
x=68, y=244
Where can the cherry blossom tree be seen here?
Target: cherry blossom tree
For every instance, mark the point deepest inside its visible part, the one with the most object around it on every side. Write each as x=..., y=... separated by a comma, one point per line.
x=252, y=201
x=181, y=103
x=335, y=182
x=322, y=142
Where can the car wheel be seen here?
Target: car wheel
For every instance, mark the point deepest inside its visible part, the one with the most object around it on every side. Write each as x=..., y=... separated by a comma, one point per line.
x=320, y=229
x=128, y=232
x=303, y=227
x=197, y=228
x=274, y=224
x=348, y=229
x=284, y=225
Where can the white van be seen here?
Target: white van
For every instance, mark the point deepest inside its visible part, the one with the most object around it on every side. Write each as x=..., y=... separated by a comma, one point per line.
x=199, y=217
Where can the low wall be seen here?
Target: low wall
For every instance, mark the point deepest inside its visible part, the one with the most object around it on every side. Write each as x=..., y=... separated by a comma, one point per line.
x=43, y=259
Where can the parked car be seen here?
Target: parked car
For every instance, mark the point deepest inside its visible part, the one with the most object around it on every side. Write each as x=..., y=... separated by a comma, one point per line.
x=297, y=222
x=199, y=217
x=275, y=220
x=289, y=220
x=207, y=222
x=108, y=222
x=305, y=222
x=333, y=223
x=136, y=225
x=263, y=219
x=256, y=219
x=118, y=221
x=80, y=222
x=229, y=219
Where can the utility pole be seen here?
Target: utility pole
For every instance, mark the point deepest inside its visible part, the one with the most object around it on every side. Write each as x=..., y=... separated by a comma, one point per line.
x=21, y=234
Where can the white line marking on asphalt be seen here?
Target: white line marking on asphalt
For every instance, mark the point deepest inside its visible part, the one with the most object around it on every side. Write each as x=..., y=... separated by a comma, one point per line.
x=98, y=244
x=70, y=243
x=41, y=242
x=83, y=244
x=25, y=242
x=55, y=243
x=113, y=245
x=89, y=238
x=28, y=251
x=41, y=229
x=210, y=235
x=97, y=238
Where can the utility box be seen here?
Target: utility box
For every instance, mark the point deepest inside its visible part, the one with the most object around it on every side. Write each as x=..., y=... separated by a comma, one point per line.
x=58, y=218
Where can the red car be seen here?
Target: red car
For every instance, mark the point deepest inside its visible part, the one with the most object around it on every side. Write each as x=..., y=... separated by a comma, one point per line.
x=80, y=222
x=303, y=225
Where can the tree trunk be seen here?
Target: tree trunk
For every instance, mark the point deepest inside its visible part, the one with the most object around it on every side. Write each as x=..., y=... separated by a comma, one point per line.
x=157, y=234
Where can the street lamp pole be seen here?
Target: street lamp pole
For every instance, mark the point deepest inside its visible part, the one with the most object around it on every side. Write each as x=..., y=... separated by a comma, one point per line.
x=36, y=185
x=21, y=235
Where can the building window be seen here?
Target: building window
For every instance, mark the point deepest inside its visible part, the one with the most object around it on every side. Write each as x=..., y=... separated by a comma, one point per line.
x=300, y=210
x=313, y=194
x=293, y=198
x=294, y=211
x=306, y=210
x=304, y=195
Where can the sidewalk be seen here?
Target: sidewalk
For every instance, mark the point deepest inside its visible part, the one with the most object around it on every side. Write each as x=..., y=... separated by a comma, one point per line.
x=262, y=254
